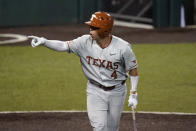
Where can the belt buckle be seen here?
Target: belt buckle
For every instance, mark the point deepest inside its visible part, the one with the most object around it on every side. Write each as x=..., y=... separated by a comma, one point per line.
x=101, y=86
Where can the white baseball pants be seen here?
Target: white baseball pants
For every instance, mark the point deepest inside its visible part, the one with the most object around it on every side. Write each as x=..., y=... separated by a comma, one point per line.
x=105, y=107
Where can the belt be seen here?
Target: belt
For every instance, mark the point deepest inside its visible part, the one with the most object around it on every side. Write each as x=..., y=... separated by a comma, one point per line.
x=105, y=88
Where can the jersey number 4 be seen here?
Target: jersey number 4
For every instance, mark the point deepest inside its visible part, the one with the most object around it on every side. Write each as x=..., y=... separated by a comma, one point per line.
x=114, y=74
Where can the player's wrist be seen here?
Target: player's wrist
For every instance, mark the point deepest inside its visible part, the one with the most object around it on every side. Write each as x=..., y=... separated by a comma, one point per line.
x=43, y=40
x=133, y=92
x=133, y=84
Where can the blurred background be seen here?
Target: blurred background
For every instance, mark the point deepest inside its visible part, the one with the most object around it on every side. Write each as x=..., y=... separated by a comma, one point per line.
x=161, y=33
x=150, y=13
x=162, y=36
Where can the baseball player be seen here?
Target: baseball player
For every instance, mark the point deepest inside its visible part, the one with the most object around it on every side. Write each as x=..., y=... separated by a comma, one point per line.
x=107, y=61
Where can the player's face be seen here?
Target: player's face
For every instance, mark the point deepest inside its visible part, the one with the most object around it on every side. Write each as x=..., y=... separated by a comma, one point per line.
x=94, y=33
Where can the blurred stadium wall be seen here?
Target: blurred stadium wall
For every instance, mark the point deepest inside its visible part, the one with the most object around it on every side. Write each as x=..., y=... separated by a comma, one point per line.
x=159, y=13
x=167, y=13
x=42, y=12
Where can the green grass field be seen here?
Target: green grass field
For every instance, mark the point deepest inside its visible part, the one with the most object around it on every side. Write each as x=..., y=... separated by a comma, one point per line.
x=34, y=79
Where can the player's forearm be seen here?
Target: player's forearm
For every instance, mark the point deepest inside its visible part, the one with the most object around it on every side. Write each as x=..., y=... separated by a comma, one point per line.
x=133, y=72
x=133, y=80
x=57, y=45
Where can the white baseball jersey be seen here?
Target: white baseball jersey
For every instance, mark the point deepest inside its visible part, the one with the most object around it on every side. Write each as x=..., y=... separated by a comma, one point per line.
x=108, y=66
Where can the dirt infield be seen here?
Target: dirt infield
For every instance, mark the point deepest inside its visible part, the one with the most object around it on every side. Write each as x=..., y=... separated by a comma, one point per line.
x=78, y=121
x=132, y=35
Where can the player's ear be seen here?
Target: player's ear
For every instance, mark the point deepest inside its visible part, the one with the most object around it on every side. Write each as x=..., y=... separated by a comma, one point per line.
x=106, y=33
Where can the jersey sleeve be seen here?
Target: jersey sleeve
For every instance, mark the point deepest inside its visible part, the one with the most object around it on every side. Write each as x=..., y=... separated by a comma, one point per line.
x=129, y=59
x=77, y=45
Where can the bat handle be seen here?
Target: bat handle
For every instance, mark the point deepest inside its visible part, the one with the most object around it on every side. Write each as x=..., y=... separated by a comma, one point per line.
x=134, y=119
x=133, y=113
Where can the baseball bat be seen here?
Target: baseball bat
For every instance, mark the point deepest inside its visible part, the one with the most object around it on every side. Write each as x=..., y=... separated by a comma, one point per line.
x=134, y=119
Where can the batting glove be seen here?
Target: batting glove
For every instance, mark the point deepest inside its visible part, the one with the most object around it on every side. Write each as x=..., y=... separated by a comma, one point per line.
x=132, y=100
x=36, y=41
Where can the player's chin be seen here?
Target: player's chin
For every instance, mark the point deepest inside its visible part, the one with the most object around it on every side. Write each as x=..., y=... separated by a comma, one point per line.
x=92, y=37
